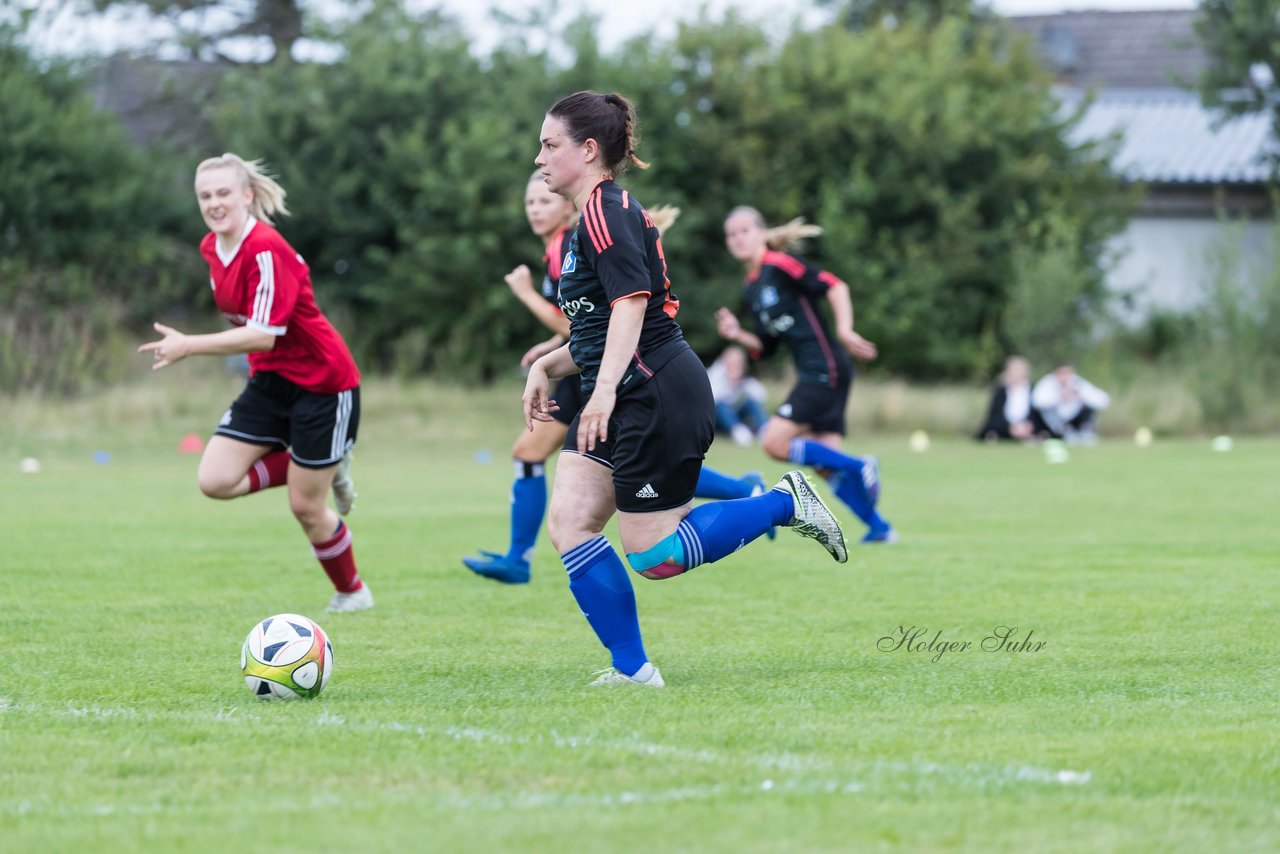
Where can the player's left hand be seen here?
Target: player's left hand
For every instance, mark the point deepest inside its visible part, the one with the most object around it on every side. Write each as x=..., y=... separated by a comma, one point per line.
x=169, y=349
x=858, y=347
x=593, y=421
x=537, y=405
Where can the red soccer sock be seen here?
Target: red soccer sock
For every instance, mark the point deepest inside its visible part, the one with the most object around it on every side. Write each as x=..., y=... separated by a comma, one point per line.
x=339, y=561
x=271, y=470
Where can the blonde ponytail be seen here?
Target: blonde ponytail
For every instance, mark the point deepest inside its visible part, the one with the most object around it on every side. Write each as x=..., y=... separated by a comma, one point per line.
x=792, y=235
x=788, y=237
x=664, y=216
x=268, y=196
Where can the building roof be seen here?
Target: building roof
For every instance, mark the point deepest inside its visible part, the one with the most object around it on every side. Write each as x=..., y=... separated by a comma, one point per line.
x=1121, y=50
x=1170, y=138
x=156, y=100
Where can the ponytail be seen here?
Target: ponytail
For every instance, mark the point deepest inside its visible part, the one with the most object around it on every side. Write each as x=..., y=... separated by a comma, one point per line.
x=664, y=216
x=608, y=119
x=787, y=237
x=792, y=235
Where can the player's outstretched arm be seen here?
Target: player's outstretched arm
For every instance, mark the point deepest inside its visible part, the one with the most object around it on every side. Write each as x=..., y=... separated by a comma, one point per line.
x=176, y=346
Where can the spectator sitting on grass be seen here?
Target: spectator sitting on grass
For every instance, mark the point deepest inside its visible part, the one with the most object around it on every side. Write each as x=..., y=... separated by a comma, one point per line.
x=1010, y=416
x=739, y=398
x=1068, y=404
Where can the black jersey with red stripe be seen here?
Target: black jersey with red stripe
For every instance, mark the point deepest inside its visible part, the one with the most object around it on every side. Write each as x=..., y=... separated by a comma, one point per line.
x=783, y=297
x=616, y=253
x=553, y=263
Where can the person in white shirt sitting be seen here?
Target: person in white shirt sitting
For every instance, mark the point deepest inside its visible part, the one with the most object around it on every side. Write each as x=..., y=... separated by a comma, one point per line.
x=1068, y=405
x=739, y=398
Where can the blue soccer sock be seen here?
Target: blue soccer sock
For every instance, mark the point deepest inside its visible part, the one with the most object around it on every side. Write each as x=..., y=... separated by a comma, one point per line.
x=712, y=531
x=600, y=584
x=851, y=489
x=846, y=479
x=805, y=452
x=528, y=508
x=713, y=484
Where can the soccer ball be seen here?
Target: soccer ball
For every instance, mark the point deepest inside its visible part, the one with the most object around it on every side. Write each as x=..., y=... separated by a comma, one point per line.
x=286, y=657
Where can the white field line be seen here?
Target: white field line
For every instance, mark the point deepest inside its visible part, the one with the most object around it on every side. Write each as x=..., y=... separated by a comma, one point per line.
x=892, y=775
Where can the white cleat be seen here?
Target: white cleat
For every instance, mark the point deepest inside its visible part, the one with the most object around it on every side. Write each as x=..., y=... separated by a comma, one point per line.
x=345, y=603
x=617, y=677
x=813, y=519
x=344, y=490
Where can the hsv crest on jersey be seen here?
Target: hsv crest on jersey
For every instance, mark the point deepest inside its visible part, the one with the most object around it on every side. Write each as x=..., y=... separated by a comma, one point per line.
x=570, y=263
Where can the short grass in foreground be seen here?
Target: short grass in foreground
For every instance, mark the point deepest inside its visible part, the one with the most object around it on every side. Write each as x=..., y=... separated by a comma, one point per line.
x=458, y=717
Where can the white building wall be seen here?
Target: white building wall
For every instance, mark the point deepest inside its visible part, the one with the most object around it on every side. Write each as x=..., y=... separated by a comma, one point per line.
x=1168, y=263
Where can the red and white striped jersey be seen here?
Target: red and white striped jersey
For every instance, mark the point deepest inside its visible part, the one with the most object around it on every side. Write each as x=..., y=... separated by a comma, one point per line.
x=264, y=284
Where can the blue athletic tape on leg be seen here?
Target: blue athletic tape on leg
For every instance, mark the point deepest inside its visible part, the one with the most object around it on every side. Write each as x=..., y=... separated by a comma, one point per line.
x=713, y=484
x=600, y=584
x=664, y=559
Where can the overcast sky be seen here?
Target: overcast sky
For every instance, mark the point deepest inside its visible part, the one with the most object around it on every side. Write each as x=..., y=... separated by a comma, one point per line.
x=69, y=31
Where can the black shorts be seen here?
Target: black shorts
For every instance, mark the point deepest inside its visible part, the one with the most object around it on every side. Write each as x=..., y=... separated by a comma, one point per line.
x=316, y=428
x=568, y=396
x=658, y=436
x=818, y=405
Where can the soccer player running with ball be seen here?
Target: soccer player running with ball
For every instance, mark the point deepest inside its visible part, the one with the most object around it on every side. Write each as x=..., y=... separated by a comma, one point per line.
x=295, y=422
x=552, y=218
x=637, y=445
x=781, y=293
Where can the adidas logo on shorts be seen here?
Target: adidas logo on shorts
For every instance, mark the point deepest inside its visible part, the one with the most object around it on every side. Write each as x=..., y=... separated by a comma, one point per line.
x=647, y=491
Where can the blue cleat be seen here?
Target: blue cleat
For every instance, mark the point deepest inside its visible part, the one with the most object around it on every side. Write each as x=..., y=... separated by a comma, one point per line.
x=755, y=480
x=498, y=567
x=886, y=536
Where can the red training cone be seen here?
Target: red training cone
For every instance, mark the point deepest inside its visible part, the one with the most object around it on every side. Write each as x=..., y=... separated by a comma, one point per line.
x=191, y=444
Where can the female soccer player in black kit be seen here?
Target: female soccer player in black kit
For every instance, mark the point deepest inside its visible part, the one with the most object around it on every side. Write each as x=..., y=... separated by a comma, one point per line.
x=552, y=217
x=637, y=445
x=781, y=292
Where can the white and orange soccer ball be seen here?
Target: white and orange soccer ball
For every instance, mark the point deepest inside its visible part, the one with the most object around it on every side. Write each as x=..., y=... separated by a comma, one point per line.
x=286, y=657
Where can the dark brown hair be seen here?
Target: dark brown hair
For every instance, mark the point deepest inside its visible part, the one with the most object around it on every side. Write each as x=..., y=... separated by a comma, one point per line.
x=608, y=119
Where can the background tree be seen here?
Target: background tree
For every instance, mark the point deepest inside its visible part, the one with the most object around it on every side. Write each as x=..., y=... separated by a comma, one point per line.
x=934, y=155
x=85, y=225
x=1243, y=39
x=864, y=14
x=406, y=164
x=205, y=26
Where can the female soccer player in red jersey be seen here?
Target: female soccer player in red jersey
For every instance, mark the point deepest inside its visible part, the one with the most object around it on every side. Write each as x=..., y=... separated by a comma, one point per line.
x=781, y=293
x=295, y=422
x=552, y=218
x=636, y=446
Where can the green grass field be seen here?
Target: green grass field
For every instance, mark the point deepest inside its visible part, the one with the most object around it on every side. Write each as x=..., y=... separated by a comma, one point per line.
x=458, y=717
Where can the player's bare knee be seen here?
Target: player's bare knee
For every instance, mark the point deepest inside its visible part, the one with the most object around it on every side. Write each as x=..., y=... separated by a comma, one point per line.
x=565, y=534
x=777, y=449
x=215, y=484
x=309, y=512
